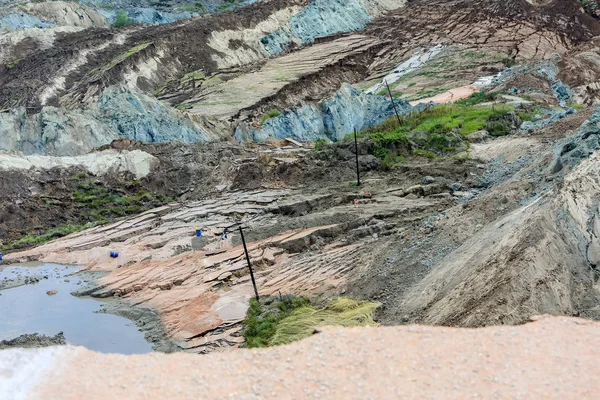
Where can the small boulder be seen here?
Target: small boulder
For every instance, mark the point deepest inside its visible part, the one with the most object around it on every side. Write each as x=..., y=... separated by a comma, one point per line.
x=527, y=126
x=428, y=180
x=51, y=292
x=478, y=136
x=455, y=187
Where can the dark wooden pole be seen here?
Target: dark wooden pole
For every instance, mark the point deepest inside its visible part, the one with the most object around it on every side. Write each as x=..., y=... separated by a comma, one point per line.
x=393, y=104
x=356, y=152
x=249, y=264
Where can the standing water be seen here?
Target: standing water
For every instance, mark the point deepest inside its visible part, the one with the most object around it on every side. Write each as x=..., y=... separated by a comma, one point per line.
x=47, y=307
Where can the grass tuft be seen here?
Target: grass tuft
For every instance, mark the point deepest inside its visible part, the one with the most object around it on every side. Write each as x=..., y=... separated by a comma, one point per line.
x=294, y=318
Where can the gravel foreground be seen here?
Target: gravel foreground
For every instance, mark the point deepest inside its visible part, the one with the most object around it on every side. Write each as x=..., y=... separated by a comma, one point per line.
x=553, y=357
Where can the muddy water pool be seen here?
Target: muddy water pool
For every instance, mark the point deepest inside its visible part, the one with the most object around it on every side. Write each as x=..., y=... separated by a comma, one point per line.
x=28, y=305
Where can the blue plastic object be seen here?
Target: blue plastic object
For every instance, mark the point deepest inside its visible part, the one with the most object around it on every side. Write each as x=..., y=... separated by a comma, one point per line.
x=114, y=254
x=0, y=256
x=199, y=232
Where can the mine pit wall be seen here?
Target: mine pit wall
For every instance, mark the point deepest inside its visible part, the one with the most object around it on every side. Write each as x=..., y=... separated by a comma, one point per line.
x=333, y=119
x=118, y=113
x=111, y=113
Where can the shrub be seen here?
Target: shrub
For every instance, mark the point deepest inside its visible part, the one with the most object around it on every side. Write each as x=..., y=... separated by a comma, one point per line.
x=320, y=144
x=272, y=113
x=121, y=20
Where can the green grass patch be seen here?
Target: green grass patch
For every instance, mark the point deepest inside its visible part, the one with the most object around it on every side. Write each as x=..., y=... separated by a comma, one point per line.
x=44, y=236
x=428, y=93
x=320, y=144
x=474, y=54
x=477, y=98
x=272, y=113
x=104, y=204
x=121, y=20
x=524, y=116
x=13, y=63
x=79, y=176
x=433, y=132
x=261, y=321
x=577, y=106
x=294, y=319
x=198, y=7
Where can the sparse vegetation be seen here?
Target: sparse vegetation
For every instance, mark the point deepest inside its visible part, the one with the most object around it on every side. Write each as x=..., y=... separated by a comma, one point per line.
x=477, y=98
x=428, y=93
x=385, y=92
x=577, y=106
x=227, y=4
x=105, y=204
x=120, y=58
x=524, y=116
x=320, y=144
x=198, y=7
x=509, y=62
x=272, y=113
x=589, y=4
x=78, y=176
x=41, y=236
x=13, y=63
x=435, y=131
x=183, y=107
x=474, y=54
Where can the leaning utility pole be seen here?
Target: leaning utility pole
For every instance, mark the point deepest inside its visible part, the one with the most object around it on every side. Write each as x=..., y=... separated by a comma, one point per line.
x=356, y=152
x=393, y=104
x=249, y=264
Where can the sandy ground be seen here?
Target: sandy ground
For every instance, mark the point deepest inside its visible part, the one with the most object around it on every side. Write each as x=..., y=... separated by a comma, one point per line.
x=552, y=358
x=449, y=96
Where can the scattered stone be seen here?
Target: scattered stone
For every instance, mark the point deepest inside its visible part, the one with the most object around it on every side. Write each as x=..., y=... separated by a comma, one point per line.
x=427, y=180
x=455, y=187
x=528, y=126
x=51, y=292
